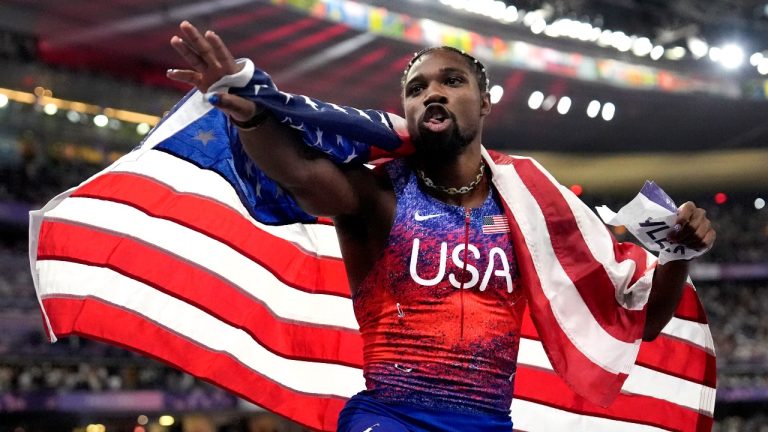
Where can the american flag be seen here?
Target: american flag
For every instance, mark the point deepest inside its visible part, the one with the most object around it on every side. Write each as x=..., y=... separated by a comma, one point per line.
x=495, y=224
x=184, y=251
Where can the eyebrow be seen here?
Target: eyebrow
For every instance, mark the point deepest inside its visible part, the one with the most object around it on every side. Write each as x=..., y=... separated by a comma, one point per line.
x=444, y=70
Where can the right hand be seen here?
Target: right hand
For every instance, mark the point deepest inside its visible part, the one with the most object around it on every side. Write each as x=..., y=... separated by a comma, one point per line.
x=210, y=60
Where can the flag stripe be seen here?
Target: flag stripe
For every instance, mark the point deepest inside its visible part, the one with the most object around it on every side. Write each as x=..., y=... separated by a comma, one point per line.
x=690, y=306
x=553, y=283
x=215, y=257
x=546, y=418
x=85, y=316
x=545, y=387
x=284, y=259
x=575, y=256
x=188, y=179
x=667, y=354
x=194, y=285
x=642, y=381
x=77, y=280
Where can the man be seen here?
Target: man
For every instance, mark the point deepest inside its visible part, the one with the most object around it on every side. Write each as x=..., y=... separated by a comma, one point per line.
x=428, y=252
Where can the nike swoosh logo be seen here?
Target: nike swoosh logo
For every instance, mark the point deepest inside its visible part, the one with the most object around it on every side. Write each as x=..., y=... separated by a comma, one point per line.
x=422, y=218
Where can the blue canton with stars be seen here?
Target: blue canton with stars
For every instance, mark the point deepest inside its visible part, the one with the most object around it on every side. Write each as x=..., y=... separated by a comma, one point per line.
x=211, y=142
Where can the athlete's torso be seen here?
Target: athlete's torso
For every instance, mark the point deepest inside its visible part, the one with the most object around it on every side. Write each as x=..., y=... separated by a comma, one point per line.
x=434, y=335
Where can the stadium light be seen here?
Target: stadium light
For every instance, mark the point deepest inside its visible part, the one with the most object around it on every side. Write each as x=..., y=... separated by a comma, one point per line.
x=698, y=47
x=549, y=102
x=3, y=100
x=657, y=52
x=609, y=110
x=759, y=204
x=593, y=109
x=642, y=47
x=756, y=58
x=101, y=120
x=535, y=100
x=496, y=93
x=732, y=56
x=166, y=420
x=142, y=128
x=564, y=105
x=675, y=53
x=50, y=108
x=763, y=67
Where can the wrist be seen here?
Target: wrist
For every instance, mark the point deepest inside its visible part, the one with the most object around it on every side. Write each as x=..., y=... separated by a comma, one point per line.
x=252, y=123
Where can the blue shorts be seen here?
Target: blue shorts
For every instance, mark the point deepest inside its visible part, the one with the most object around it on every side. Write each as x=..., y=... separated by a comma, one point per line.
x=363, y=413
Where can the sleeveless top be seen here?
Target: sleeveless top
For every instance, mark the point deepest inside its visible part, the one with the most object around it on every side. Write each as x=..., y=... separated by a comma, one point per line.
x=439, y=312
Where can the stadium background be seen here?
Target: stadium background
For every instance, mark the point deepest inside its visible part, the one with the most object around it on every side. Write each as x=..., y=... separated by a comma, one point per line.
x=605, y=93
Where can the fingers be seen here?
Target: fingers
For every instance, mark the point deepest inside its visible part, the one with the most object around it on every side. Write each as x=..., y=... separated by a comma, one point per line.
x=194, y=60
x=199, y=44
x=693, y=229
x=185, y=76
x=236, y=107
x=223, y=56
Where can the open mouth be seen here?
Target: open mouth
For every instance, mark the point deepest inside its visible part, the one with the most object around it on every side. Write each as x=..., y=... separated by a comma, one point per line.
x=436, y=118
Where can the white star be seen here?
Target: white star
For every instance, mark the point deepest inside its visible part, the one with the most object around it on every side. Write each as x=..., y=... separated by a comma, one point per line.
x=204, y=137
x=350, y=157
x=249, y=166
x=337, y=108
x=362, y=113
x=383, y=119
x=319, y=139
x=288, y=97
x=258, y=87
x=339, y=140
x=289, y=121
x=258, y=187
x=310, y=102
x=278, y=191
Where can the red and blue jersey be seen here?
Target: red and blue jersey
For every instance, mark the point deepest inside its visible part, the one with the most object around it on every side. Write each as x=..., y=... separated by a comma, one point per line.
x=440, y=313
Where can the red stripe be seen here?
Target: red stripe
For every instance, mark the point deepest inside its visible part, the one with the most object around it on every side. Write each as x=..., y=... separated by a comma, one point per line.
x=677, y=358
x=310, y=273
x=309, y=41
x=86, y=317
x=665, y=354
x=269, y=37
x=204, y=290
x=587, y=274
x=690, y=307
x=579, y=372
x=546, y=388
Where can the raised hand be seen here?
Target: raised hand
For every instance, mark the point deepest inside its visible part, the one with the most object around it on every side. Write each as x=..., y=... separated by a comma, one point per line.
x=693, y=229
x=210, y=60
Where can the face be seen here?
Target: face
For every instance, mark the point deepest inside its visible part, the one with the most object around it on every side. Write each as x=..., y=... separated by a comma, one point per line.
x=443, y=105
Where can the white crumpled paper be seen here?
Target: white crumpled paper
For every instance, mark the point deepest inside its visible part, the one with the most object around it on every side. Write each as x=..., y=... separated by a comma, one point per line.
x=649, y=217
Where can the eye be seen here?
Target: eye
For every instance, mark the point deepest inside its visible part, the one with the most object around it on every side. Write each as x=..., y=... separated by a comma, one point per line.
x=414, y=89
x=454, y=80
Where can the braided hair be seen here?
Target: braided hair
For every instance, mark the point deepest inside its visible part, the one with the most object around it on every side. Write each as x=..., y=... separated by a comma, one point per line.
x=481, y=74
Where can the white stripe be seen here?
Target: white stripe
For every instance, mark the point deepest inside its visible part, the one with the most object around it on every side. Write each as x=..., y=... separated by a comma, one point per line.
x=533, y=417
x=210, y=254
x=598, y=239
x=691, y=332
x=568, y=308
x=72, y=279
x=185, y=177
x=641, y=381
x=648, y=382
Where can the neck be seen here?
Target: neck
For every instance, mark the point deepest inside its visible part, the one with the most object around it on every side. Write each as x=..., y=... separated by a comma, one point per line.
x=457, y=173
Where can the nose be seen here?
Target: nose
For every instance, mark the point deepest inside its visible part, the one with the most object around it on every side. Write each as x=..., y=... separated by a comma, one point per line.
x=434, y=95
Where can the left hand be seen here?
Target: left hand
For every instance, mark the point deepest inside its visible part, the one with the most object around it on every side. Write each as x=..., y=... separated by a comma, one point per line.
x=206, y=54
x=695, y=229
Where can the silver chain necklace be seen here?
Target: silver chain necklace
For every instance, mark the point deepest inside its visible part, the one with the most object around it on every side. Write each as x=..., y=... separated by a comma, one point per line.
x=452, y=190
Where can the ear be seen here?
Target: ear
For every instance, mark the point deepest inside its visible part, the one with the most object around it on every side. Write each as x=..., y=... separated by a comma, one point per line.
x=485, y=107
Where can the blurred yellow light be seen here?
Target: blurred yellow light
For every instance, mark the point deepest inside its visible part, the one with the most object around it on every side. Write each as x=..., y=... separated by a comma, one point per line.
x=3, y=100
x=166, y=420
x=39, y=91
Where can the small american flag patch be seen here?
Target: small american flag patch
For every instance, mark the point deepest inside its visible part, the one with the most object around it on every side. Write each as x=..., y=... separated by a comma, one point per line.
x=495, y=224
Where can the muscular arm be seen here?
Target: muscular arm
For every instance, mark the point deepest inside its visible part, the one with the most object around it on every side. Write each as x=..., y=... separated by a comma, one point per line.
x=695, y=231
x=320, y=187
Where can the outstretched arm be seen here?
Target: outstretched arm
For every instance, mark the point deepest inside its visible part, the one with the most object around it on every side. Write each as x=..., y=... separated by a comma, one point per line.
x=695, y=231
x=319, y=186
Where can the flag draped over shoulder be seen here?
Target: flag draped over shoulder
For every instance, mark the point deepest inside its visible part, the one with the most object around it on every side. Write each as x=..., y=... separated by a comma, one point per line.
x=185, y=251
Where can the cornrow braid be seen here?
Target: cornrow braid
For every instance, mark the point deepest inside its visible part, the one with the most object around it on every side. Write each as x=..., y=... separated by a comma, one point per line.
x=481, y=74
